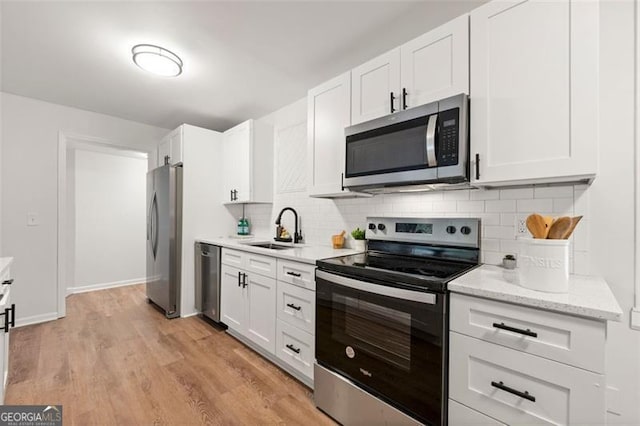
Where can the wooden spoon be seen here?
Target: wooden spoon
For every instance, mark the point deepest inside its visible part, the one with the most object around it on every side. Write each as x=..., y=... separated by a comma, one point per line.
x=574, y=222
x=536, y=225
x=559, y=228
x=548, y=221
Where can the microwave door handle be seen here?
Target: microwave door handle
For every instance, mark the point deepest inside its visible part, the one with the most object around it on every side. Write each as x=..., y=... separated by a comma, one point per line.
x=431, y=140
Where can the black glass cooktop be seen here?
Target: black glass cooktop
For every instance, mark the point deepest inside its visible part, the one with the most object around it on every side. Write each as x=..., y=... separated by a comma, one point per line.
x=397, y=270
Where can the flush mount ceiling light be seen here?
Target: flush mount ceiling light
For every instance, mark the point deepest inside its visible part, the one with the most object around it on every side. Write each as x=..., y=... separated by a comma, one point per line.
x=157, y=60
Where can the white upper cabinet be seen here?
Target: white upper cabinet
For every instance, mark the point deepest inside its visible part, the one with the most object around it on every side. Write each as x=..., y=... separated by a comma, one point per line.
x=534, y=91
x=375, y=87
x=172, y=146
x=430, y=67
x=248, y=163
x=436, y=64
x=329, y=112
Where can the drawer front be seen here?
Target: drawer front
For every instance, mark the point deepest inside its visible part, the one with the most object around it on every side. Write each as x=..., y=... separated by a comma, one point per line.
x=296, y=273
x=564, y=338
x=296, y=348
x=233, y=257
x=263, y=265
x=517, y=388
x=461, y=415
x=297, y=306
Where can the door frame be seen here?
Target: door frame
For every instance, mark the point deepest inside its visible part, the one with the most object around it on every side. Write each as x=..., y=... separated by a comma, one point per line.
x=66, y=141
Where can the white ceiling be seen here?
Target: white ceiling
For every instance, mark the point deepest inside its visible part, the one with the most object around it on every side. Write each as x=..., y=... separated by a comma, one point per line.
x=241, y=59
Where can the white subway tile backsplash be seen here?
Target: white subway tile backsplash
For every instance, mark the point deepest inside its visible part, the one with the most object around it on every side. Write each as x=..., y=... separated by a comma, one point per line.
x=510, y=246
x=470, y=206
x=456, y=195
x=581, y=264
x=544, y=205
x=516, y=193
x=488, y=218
x=508, y=219
x=444, y=206
x=563, y=206
x=498, y=206
x=484, y=194
x=490, y=244
x=492, y=257
x=553, y=192
x=501, y=232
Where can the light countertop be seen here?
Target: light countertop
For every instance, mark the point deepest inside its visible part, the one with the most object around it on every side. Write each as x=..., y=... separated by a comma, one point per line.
x=587, y=297
x=305, y=253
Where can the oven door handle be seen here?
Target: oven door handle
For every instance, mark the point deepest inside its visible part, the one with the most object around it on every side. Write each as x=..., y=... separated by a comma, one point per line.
x=397, y=293
x=431, y=141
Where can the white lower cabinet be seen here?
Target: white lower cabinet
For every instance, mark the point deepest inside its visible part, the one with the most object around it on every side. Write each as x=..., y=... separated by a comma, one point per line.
x=535, y=367
x=274, y=316
x=295, y=347
x=461, y=415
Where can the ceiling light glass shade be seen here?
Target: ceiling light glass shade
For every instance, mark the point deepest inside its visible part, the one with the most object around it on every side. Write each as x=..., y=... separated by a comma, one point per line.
x=157, y=60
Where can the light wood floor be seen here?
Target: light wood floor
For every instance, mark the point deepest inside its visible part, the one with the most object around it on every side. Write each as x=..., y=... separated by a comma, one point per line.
x=116, y=360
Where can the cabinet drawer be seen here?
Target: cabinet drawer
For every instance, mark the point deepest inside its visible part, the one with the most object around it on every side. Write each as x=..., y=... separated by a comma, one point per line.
x=295, y=347
x=487, y=378
x=461, y=415
x=564, y=338
x=263, y=265
x=300, y=274
x=297, y=306
x=232, y=257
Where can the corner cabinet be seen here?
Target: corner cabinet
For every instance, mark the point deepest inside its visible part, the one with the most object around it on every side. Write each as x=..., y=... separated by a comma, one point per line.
x=534, y=92
x=248, y=163
x=329, y=112
x=425, y=69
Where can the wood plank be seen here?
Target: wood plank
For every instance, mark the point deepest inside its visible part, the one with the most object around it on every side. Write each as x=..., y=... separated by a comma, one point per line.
x=116, y=360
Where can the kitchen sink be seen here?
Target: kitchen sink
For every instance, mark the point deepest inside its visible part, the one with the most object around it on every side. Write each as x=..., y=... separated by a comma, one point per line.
x=270, y=246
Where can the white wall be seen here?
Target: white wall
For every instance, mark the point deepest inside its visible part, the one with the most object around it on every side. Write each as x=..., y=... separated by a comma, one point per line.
x=28, y=177
x=110, y=220
x=602, y=243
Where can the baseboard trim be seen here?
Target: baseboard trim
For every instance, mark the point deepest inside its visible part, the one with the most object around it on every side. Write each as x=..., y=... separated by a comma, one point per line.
x=104, y=286
x=635, y=318
x=36, y=319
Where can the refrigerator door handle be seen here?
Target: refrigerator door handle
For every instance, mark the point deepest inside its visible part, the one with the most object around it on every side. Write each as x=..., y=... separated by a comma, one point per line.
x=154, y=225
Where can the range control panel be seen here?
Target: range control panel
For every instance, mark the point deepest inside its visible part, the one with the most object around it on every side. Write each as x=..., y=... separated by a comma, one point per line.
x=464, y=232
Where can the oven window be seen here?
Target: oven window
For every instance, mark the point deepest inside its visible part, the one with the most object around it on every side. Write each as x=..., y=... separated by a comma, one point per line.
x=381, y=332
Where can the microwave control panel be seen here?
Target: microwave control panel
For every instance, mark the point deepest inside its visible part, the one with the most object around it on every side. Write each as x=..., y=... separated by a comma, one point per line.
x=448, y=140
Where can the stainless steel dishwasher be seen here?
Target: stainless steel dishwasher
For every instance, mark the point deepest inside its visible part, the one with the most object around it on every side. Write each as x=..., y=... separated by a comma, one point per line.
x=208, y=280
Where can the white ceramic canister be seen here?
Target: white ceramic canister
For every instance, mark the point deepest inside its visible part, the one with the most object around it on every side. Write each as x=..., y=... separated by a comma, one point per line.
x=544, y=265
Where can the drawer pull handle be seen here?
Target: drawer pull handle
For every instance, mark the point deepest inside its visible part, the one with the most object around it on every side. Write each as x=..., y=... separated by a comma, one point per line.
x=505, y=388
x=292, y=306
x=293, y=348
x=294, y=274
x=7, y=282
x=526, y=332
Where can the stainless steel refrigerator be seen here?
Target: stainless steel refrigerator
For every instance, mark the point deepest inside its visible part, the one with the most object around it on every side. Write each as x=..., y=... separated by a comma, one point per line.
x=164, y=238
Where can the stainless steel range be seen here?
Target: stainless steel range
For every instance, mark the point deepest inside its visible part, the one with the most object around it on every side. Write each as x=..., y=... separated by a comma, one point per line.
x=382, y=321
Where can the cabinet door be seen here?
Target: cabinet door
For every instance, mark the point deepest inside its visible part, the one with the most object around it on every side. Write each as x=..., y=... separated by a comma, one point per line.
x=261, y=311
x=164, y=149
x=374, y=85
x=534, y=90
x=238, y=163
x=232, y=299
x=436, y=64
x=329, y=112
x=176, y=146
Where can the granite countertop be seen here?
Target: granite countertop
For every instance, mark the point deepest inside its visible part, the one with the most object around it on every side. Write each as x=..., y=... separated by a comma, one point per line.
x=587, y=297
x=305, y=253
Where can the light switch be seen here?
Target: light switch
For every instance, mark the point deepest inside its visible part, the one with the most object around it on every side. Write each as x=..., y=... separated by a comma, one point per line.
x=33, y=219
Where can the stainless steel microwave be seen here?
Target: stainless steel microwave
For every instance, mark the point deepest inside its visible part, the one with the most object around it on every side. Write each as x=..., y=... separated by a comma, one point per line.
x=428, y=144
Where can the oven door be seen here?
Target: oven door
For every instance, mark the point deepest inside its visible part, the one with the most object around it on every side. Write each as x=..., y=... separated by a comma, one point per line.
x=389, y=341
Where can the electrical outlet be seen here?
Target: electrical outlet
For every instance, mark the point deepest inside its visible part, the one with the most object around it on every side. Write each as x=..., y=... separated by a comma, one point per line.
x=521, y=225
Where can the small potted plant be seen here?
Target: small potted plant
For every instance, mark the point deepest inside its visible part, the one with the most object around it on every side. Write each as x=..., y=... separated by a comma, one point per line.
x=358, y=242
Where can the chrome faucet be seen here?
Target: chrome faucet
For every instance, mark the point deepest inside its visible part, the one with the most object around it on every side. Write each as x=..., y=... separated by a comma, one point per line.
x=297, y=234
